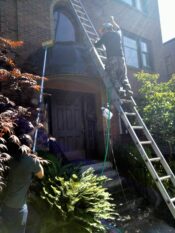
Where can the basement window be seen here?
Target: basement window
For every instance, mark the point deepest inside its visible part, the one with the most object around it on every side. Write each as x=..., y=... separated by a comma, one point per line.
x=64, y=28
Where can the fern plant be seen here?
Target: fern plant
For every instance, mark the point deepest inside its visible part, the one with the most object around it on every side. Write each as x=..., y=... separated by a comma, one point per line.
x=77, y=205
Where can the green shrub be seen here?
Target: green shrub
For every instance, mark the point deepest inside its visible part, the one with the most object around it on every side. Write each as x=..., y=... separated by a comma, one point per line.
x=56, y=166
x=131, y=163
x=76, y=205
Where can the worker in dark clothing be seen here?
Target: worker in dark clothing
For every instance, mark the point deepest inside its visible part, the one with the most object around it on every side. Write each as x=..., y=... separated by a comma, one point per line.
x=14, y=208
x=115, y=64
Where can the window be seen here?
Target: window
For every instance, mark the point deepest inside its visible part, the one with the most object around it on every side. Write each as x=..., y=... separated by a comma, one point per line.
x=64, y=29
x=130, y=2
x=131, y=52
x=144, y=54
x=168, y=62
x=138, y=4
x=137, y=52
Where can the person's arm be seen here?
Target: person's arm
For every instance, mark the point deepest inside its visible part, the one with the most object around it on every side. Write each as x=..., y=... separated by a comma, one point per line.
x=40, y=174
x=114, y=23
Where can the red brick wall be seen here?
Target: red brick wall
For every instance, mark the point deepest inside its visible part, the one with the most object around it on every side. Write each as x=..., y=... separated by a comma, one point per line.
x=132, y=21
x=8, y=19
x=32, y=22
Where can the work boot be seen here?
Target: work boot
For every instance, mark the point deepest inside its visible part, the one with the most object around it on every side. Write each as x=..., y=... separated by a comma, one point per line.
x=122, y=93
x=127, y=86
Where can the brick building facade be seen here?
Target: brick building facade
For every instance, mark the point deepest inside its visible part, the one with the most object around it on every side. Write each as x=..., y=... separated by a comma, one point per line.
x=169, y=57
x=77, y=92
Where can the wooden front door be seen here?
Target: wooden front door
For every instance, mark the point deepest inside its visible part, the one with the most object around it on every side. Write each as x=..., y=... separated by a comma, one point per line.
x=70, y=121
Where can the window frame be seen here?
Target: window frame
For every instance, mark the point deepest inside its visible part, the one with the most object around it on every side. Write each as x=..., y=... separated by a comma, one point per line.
x=133, y=49
x=143, y=9
x=138, y=41
x=169, y=65
x=66, y=12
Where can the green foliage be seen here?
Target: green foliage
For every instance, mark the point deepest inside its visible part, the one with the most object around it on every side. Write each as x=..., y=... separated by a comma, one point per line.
x=56, y=166
x=132, y=165
x=18, y=92
x=158, y=106
x=77, y=204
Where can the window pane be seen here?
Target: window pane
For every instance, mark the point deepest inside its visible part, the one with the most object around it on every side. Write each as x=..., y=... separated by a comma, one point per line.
x=128, y=2
x=64, y=30
x=145, y=60
x=144, y=47
x=131, y=57
x=139, y=5
x=131, y=43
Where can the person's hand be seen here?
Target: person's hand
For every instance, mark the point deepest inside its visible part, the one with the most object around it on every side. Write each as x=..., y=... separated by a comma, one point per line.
x=39, y=126
x=112, y=18
x=114, y=23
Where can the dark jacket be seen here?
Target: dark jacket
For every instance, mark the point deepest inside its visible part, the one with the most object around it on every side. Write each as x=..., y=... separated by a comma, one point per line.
x=112, y=42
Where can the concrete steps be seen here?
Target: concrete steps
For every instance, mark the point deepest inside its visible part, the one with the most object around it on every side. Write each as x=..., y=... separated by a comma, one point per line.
x=109, y=172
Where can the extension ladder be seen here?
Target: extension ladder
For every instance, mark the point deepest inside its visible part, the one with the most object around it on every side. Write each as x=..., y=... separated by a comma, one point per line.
x=122, y=105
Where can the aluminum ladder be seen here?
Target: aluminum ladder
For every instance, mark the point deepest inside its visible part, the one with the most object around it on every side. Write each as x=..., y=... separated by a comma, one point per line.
x=127, y=109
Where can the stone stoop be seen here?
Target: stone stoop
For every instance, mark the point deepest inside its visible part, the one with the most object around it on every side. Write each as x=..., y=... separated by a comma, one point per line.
x=115, y=182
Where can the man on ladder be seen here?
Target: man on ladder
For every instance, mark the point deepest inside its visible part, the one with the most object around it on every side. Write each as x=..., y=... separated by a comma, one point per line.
x=115, y=65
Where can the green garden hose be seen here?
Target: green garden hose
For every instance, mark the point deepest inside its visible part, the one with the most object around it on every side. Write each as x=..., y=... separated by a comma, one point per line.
x=107, y=136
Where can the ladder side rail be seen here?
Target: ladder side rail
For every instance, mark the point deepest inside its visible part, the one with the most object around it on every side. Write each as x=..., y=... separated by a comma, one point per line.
x=155, y=147
x=101, y=68
x=149, y=165
x=90, y=22
x=101, y=50
x=80, y=2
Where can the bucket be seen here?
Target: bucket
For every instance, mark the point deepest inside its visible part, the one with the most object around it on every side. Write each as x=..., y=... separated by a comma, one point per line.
x=106, y=113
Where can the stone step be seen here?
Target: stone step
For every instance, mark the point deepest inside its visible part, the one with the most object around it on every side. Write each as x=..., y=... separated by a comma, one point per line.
x=97, y=166
x=113, y=184
x=109, y=172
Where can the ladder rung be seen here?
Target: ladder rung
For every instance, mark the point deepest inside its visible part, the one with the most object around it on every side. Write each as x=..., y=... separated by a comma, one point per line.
x=101, y=49
x=127, y=101
x=165, y=177
x=86, y=25
x=92, y=33
x=80, y=12
x=155, y=159
x=82, y=18
x=146, y=142
x=102, y=57
x=130, y=113
x=75, y=1
x=172, y=199
x=137, y=127
x=74, y=4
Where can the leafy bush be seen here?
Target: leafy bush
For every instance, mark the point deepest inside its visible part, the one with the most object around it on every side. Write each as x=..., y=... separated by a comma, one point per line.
x=131, y=163
x=18, y=94
x=56, y=167
x=158, y=107
x=75, y=205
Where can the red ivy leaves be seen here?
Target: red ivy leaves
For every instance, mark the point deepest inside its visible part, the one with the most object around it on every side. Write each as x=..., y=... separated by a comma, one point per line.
x=36, y=87
x=4, y=75
x=11, y=43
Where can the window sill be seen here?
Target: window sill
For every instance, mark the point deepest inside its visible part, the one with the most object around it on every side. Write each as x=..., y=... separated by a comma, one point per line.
x=139, y=69
x=145, y=13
